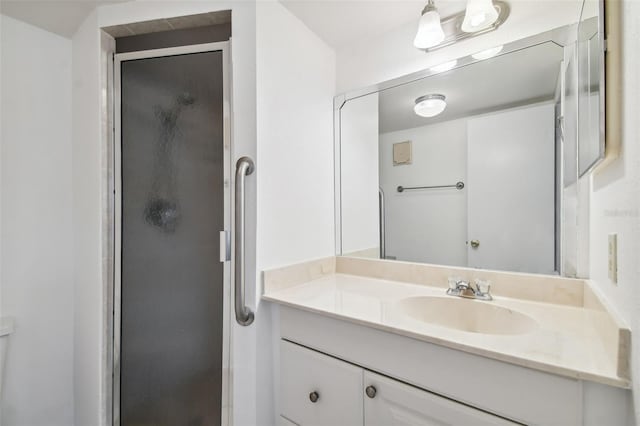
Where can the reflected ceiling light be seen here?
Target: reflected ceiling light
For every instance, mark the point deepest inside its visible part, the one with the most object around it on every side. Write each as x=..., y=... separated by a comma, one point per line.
x=486, y=54
x=479, y=15
x=430, y=31
x=444, y=67
x=430, y=105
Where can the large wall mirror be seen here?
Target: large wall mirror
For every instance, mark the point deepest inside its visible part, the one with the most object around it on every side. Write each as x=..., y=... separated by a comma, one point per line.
x=466, y=164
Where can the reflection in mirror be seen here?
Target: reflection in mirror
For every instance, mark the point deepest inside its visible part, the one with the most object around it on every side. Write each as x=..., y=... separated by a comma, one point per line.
x=568, y=121
x=479, y=183
x=359, y=183
x=590, y=55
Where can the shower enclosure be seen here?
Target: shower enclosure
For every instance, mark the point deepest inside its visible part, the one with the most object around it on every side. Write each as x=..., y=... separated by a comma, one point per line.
x=172, y=274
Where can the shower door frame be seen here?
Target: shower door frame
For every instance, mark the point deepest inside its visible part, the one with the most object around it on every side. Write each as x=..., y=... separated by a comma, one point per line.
x=118, y=58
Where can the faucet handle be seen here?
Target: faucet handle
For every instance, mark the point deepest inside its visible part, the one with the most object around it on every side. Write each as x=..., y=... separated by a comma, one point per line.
x=483, y=286
x=453, y=282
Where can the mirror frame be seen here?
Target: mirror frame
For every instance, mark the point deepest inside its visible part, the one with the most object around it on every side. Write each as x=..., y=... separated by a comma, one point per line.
x=603, y=92
x=560, y=36
x=611, y=13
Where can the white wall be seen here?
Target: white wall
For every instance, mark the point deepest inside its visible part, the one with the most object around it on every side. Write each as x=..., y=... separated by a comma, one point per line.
x=295, y=88
x=295, y=74
x=359, y=170
x=615, y=200
x=392, y=55
x=36, y=230
x=87, y=170
x=427, y=226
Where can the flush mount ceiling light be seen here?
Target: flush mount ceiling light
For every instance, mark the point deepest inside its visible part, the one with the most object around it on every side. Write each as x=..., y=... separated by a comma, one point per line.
x=430, y=105
x=430, y=31
x=444, y=67
x=480, y=14
x=486, y=54
x=435, y=33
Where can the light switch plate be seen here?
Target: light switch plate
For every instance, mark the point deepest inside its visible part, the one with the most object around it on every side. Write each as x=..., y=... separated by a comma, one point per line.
x=613, y=258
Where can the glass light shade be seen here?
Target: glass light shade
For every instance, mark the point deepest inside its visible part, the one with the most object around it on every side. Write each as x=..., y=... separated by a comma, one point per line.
x=479, y=15
x=486, y=54
x=430, y=31
x=430, y=105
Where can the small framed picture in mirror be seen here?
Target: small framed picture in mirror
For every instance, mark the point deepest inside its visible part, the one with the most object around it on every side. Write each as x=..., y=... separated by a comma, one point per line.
x=402, y=153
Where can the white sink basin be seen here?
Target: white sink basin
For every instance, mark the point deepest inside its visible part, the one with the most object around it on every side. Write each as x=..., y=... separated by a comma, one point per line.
x=472, y=316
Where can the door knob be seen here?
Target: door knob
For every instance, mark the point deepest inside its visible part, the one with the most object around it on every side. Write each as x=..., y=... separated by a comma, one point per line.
x=475, y=244
x=314, y=396
x=371, y=391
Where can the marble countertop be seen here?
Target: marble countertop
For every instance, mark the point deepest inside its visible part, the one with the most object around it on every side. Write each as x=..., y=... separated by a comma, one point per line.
x=567, y=341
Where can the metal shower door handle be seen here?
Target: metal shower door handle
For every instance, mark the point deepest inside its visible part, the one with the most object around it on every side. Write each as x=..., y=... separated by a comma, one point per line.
x=244, y=167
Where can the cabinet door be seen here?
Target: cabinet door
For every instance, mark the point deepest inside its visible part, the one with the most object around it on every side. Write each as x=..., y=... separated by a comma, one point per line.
x=319, y=390
x=394, y=404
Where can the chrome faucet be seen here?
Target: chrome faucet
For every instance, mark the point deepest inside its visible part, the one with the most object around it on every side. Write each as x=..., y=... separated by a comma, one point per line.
x=461, y=288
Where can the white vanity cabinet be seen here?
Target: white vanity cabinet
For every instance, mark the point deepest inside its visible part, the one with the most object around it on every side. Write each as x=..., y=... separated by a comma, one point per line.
x=421, y=383
x=390, y=402
x=317, y=389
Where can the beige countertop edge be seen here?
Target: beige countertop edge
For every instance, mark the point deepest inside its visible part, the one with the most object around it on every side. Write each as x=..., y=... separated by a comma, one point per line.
x=499, y=356
x=624, y=332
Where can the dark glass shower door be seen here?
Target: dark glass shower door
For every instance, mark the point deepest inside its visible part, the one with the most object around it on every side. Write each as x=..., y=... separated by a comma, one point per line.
x=172, y=153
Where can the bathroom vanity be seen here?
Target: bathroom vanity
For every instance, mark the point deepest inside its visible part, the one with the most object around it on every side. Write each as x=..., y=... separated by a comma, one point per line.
x=375, y=342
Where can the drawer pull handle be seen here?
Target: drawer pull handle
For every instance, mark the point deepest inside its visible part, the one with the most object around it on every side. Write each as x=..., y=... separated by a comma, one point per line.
x=314, y=396
x=371, y=391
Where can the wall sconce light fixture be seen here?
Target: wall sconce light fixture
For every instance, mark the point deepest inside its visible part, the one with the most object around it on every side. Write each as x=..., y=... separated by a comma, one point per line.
x=480, y=17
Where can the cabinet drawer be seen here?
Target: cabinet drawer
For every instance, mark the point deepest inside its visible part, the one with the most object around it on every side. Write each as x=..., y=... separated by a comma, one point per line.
x=306, y=374
x=389, y=402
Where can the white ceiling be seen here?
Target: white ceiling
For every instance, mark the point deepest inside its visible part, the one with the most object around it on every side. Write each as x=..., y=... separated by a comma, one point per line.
x=508, y=80
x=340, y=22
x=57, y=16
